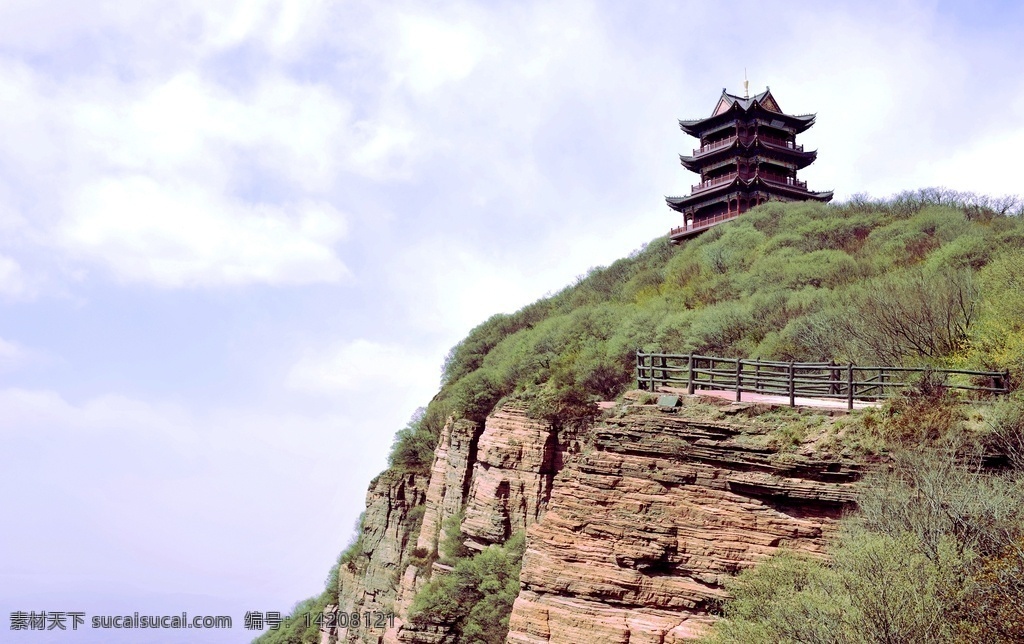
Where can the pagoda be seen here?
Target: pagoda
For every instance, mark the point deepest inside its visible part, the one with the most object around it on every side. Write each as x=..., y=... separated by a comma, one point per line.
x=748, y=154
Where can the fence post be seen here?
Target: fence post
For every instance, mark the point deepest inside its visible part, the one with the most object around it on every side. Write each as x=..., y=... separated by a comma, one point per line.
x=650, y=374
x=739, y=371
x=689, y=385
x=1006, y=381
x=757, y=375
x=849, y=386
x=792, y=386
x=639, y=378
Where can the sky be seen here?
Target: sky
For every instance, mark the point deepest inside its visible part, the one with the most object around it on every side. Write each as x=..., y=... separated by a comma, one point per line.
x=237, y=239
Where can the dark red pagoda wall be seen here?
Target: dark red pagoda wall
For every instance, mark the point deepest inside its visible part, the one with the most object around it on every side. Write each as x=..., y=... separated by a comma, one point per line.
x=708, y=211
x=736, y=204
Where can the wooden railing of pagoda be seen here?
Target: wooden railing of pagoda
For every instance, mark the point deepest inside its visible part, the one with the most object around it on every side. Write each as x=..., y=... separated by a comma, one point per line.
x=715, y=146
x=798, y=379
x=704, y=223
x=704, y=185
x=780, y=142
x=789, y=181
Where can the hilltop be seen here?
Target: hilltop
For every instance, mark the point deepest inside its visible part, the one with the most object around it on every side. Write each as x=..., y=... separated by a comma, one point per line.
x=926, y=278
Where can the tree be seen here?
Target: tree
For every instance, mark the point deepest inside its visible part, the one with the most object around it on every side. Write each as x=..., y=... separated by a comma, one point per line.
x=913, y=315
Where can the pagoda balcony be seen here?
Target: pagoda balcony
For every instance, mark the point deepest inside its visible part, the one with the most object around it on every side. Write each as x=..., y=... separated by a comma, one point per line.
x=717, y=145
x=711, y=183
x=789, y=181
x=693, y=228
x=780, y=143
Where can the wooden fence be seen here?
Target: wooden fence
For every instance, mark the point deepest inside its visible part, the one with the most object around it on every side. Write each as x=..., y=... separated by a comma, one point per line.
x=805, y=379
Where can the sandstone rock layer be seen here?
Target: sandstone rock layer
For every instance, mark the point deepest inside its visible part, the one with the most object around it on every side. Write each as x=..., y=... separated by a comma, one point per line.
x=641, y=529
x=516, y=462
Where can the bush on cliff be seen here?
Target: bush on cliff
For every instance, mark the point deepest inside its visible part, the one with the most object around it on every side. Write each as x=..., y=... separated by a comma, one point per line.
x=933, y=555
x=475, y=598
x=876, y=589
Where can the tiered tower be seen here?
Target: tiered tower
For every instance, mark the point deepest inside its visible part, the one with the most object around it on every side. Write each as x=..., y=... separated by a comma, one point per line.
x=748, y=154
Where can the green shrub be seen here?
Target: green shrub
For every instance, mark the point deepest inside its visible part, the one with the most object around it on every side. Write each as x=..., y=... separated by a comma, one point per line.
x=923, y=414
x=934, y=554
x=998, y=337
x=877, y=589
x=933, y=494
x=413, y=447
x=994, y=609
x=475, y=598
x=912, y=317
x=452, y=546
x=1006, y=431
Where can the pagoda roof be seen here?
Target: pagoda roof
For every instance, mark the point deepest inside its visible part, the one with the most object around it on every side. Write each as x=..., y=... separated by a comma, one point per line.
x=730, y=106
x=755, y=146
x=712, y=194
x=746, y=102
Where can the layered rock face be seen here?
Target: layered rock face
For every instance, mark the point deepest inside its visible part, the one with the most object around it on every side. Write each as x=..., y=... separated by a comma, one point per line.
x=449, y=480
x=629, y=537
x=369, y=584
x=512, y=465
x=517, y=459
x=642, y=528
x=446, y=494
x=499, y=475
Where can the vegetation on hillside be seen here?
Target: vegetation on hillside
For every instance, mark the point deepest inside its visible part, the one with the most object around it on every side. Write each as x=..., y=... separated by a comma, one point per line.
x=929, y=277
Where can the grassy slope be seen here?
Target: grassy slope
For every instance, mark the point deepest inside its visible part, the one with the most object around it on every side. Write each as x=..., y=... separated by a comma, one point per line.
x=799, y=281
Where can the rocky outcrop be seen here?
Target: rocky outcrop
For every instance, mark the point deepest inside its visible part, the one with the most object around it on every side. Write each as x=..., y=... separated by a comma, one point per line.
x=369, y=583
x=517, y=459
x=449, y=479
x=505, y=488
x=445, y=497
x=629, y=537
x=642, y=528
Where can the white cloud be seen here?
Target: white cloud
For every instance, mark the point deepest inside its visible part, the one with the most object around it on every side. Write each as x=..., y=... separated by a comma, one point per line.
x=985, y=164
x=12, y=278
x=432, y=52
x=182, y=183
x=173, y=237
x=12, y=355
x=173, y=28
x=363, y=365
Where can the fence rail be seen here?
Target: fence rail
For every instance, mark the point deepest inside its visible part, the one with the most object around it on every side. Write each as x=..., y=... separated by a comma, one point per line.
x=805, y=379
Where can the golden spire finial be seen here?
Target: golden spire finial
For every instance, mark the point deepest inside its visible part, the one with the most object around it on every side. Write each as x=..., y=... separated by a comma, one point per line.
x=746, y=84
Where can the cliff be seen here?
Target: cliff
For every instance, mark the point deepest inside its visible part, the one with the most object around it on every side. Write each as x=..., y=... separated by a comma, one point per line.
x=632, y=524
